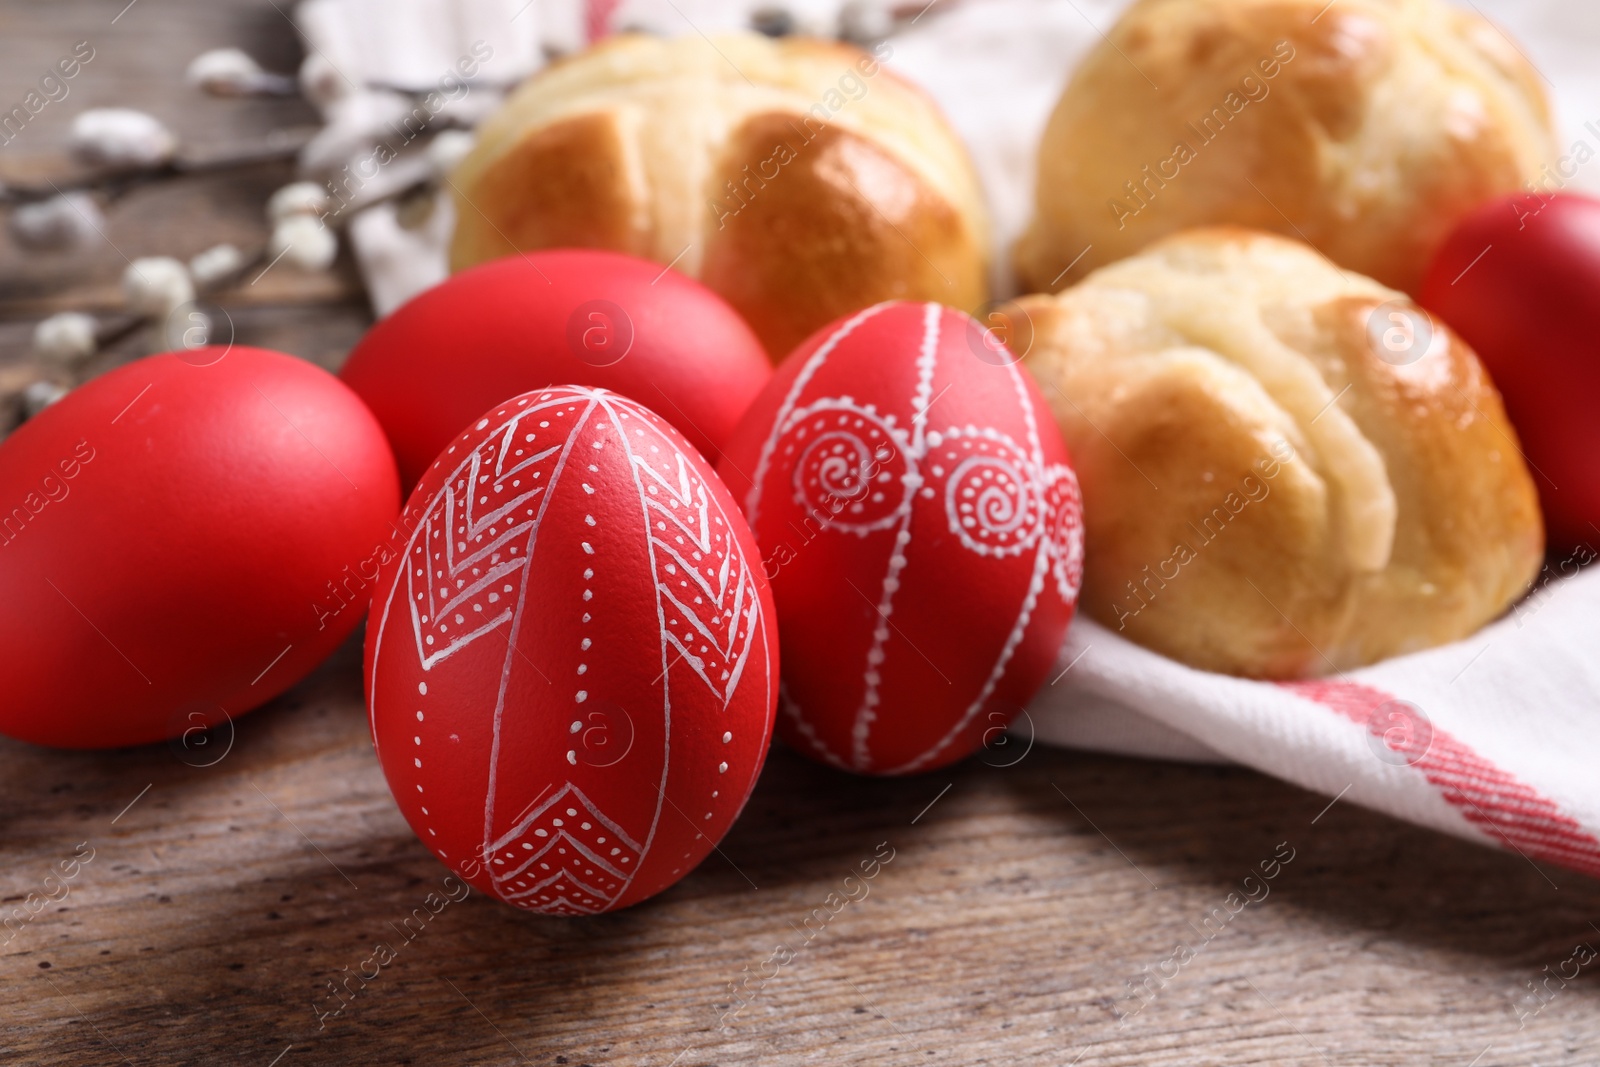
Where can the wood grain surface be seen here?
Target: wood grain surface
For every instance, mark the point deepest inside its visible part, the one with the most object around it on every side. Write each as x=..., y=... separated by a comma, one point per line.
x=1040, y=906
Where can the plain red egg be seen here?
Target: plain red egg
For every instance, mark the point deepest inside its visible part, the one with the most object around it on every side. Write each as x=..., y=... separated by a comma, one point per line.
x=921, y=526
x=182, y=540
x=1519, y=279
x=572, y=666
x=570, y=315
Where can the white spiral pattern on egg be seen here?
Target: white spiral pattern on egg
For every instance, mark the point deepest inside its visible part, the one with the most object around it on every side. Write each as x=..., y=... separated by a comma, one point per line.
x=1064, y=500
x=850, y=471
x=993, y=499
x=988, y=501
x=995, y=494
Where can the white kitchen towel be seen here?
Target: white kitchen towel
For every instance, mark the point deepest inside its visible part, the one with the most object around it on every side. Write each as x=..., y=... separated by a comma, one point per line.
x=1495, y=739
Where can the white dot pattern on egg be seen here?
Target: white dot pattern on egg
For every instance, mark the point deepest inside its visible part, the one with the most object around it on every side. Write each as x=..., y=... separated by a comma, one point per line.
x=465, y=574
x=894, y=465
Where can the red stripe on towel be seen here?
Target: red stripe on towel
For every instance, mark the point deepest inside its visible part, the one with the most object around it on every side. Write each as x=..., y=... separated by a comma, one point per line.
x=1490, y=798
x=597, y=17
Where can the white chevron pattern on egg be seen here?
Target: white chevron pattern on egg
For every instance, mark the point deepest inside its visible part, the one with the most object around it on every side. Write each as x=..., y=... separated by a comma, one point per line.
x=563, y=858
x=708, y=594
x=466, y=572
x=466, y=562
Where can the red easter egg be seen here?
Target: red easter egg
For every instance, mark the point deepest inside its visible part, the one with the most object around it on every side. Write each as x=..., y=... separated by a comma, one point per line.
x=571, y=666
x=921, y=526
x=181, y=541
x=1518, y=279
x=571, y=315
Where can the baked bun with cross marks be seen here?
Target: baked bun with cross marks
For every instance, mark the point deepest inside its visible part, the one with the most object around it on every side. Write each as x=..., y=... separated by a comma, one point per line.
x=797, y=178
x=1367, y=128
x=1287, y=469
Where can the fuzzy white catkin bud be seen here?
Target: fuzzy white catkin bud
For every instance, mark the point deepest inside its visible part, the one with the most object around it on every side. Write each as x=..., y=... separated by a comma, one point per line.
x=121, y=137
x=191, y=330
x=297, y=198
x=320, y=81
x=40, y=395
x=60, y=223
x=449, y=149
x=224, y=72
x=65, y=339
x=156, y=285
x=215, y=265
x=304, y=243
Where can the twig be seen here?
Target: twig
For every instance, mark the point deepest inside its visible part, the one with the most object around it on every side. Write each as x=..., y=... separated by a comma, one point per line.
x=117, y=182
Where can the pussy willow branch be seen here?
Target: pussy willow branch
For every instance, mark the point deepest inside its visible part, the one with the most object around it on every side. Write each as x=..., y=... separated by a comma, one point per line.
x=286, y=146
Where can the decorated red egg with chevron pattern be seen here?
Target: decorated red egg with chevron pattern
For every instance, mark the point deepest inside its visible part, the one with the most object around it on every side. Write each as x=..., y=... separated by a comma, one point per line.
x=921, y=526
x=572, y=664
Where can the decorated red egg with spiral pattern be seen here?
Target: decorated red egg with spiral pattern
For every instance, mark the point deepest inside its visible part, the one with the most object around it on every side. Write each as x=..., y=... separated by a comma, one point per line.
x=921, y=526
x=572, y=663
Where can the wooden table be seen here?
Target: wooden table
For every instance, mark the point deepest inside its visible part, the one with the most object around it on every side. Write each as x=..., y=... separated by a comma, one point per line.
x=1031, y=913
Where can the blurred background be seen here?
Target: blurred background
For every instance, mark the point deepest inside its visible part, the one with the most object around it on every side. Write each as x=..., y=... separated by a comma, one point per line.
x=1029, y=892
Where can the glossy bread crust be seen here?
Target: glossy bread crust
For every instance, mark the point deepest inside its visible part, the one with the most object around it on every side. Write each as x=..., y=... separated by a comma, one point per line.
x=799, y=179
x=1368, y=130
x=1287, y=469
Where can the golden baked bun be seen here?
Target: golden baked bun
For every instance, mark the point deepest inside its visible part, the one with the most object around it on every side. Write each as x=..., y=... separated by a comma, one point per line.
x=1287, y=469
x=1368, y=130
x=798, y=178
